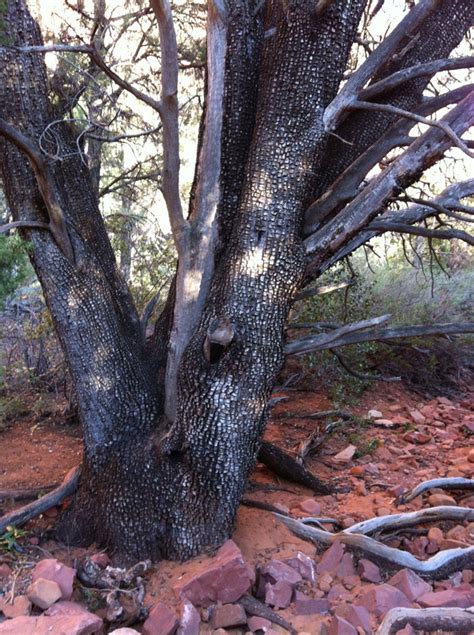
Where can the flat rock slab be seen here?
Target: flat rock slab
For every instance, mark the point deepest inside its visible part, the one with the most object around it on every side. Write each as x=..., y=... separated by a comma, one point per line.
x=81, y=624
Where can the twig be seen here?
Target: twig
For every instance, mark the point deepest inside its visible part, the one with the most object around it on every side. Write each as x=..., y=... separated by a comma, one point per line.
x=416, y=230
x=328, y=288
x=357, y=374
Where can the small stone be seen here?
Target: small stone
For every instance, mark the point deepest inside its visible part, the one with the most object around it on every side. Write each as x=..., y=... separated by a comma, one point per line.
x=440, y=499
x=467, y=576
x=409, y=584
x=383, y=511
x=435, y=534
x=44, y=593
x=461, y=598
x=325, y=582
x=52, y=569
x=309, y=606
x=386, y=423
x=304, y=565
x=418, y=546
x=278, y=571
x=228, y=615
x=348, y=522
x=345, y=455
x=161, y=621
x=340, y=626
x=189, y=621
x=368, y=571
x=374, y=414
x=357, y=470
x=346, y=566
x=84, y=623
x=310, y=506
x=259, y=624
x=279, y=594
x=337, y=593
x=331, y=559
x=470, y=456
x=5, y=571
x=457, y=533
x=417, y=417
x=21, y=606
x=124, y=631
x=358, y=616
x=382, y=598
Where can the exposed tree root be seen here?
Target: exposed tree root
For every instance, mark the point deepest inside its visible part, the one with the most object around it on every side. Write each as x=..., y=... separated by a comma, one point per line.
x=453, y=620
x=437, y=567
x=400, y=521
x=22, y=515
x=24, y=493
x=252, y=606
x=282, y=464
x=440, y=483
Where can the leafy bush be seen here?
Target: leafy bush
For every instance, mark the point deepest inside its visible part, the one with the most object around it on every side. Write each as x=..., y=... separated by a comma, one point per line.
x=14, y=266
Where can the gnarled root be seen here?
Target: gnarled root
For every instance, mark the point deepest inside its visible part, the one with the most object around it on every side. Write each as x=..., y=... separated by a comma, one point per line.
x=439, y=483
x=453, y=620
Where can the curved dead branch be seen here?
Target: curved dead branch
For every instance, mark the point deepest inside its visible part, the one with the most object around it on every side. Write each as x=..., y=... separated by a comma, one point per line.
x=437, y=567
x=22, y=515
x=457, y=482
x=452, y=620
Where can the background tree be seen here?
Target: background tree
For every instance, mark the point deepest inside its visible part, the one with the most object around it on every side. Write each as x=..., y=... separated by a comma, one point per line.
x=172, y=424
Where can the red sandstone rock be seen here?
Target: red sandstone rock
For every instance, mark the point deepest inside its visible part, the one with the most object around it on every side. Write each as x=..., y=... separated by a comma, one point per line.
x=44, y=593
x=380, y=599
x=161, y=621
x=52, y=569
x=303, y=564
x=410, y=584
x=345, y=455
x=259, y=624
x=459, y=597
x=21, y=606
x=222, y=578
x=346, y=566
x=79, y=624
x=305, y=605
x=358, y=616
x=340, y=626
x=368, y=571
x=310, y=506
x=279, y=594
x=5, y=571
x=228, y=615
x=189, y=621
x=331, y=559
x=440, y=499
x=278, y=571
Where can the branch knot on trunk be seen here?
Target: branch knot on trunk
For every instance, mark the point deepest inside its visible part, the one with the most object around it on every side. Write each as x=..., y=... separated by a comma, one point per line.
x=219, y=336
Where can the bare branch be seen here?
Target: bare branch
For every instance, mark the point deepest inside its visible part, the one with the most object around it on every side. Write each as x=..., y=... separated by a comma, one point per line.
x=169, y=117
x=403, y=228
x=320, y=342
x=35, y=224
x=421, y=154
x=345, y=188
x=369, y=105
x=454, y=482
x=363, y=376
x=406, y=74
x=348, y=94
x=443, y=619
x=328, y=288
x=57, y=223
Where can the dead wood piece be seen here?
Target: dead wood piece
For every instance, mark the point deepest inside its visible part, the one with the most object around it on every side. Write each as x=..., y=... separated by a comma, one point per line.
x=25, y=493
x=453, y=620
x=441, y=483
x=268, y=507
x=409, y=519
x=22, y=515
x=252, y=606
x=285, y=466
x=437, y=567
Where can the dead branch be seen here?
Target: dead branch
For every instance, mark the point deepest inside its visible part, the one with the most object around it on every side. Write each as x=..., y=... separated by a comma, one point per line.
x=363, y=376
x=18, y=224
x=445, y=619
x=346, y=186
x=285, y=466
x=403, y=228
x=390, y=45
x=44, y=180
x=24, y=493
x=437, y=567
x=318, y=343
x=22, y=515
x=441, y=483
x=325, y=340
x=394, y=110
x=421, y=154
x=328, y=288
x=406, y=74
x=409, y=519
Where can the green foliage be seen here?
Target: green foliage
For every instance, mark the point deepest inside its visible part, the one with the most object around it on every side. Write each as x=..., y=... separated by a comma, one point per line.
x=9, y=540
x=14, y=265
x=10, y=407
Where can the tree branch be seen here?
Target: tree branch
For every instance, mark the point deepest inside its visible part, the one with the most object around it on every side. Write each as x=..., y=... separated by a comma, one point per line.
x=328, y=288
x=403, y=228
x=444, y=619
x=57, y=222
x=390, y=45
x=421, y=154
x=35, y=224
x=406, y=74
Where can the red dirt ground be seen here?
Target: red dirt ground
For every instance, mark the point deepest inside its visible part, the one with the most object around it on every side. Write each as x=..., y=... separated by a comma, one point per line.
x=390, y=458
